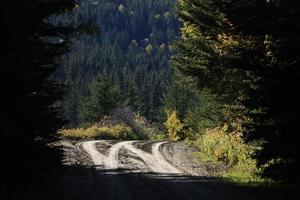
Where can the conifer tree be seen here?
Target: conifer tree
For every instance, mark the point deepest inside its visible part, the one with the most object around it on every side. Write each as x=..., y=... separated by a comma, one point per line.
x=273, y=59
x=246, y=50
x=29, y=114
x=105, y=96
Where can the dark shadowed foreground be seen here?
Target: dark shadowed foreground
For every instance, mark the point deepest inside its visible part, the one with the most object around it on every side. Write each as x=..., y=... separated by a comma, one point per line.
x=90, y=184
x=127, y=172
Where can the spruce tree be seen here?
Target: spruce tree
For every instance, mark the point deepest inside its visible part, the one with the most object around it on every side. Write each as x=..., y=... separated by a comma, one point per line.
x=105, y=96
x=247, y=51
x=29, y=114
x=273, y=99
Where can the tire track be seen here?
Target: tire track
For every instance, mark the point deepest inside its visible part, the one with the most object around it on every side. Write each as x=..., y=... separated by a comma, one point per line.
x=114, y=155
x=162, y=161
x=154, y=161
x=98, y=159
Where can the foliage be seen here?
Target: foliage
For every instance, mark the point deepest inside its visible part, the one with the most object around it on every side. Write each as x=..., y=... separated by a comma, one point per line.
x=117, y=132
x=173, y=126
x=219, y=146
x=148, y=127
x=105, y=96
x=207, y=112
x=130, y=44
x=157, y=137
x=137, y=122
x=180, y=95
x=246, y=52
x=197, y=108
x=270, y=56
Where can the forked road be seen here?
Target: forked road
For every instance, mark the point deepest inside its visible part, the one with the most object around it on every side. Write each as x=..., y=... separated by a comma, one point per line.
x=153, y=161
x=125, y=170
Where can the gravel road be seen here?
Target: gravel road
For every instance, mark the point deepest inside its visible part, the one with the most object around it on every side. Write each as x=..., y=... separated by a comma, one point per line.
x=134, y=170
x=129, y=170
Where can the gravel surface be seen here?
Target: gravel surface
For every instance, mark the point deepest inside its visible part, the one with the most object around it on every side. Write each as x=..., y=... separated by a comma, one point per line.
x=133, y=170
x=138, y=170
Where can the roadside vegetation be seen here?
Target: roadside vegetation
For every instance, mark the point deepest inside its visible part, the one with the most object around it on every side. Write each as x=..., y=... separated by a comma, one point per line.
x=220, y=146
x=117, y=132
x=228, y=149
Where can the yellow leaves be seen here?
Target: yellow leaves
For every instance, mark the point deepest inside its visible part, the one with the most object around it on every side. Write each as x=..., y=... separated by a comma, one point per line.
x=219, y=145
x=189, y=31
x=94, y=131
x=149, y=49
x=173, y=125
x=228, y=40
x=226, y=43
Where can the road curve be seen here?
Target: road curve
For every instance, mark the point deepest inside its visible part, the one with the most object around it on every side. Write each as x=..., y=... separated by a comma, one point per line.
x=155, y=161
x=137, y=170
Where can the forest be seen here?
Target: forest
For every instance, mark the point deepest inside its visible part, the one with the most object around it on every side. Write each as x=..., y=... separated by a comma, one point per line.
x=219, y=76
x=127, y=41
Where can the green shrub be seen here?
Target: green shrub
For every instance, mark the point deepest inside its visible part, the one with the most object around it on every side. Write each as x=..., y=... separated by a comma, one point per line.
x=117, y=132
x=229, y=149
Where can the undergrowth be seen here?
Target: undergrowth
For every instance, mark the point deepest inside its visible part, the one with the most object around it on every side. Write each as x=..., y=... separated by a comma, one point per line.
x=157, y=137
x=116, y=132
x=222, y=147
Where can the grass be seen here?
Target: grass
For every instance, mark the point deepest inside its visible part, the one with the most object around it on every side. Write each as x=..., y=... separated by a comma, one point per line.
x=117, y=132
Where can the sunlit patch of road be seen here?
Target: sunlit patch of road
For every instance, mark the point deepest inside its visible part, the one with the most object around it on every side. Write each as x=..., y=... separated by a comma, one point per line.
x=154, y=161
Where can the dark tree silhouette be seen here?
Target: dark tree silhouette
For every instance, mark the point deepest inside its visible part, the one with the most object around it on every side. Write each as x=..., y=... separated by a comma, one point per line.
x=29, y=116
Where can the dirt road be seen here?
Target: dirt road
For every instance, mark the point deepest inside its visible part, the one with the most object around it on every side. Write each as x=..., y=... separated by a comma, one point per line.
x=129, y=170
x=153, y=162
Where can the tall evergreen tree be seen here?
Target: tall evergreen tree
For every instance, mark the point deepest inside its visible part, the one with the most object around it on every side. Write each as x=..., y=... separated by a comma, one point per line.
x=274, y=28
x=246, y=50
x=105, y=96
x=29, y=116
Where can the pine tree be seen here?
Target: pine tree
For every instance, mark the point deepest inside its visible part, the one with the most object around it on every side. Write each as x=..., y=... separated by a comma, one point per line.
x=247, y=50
x=105, y=96
x=273, y=99
x=29, y=111
x=179, y=95
x=204, y=50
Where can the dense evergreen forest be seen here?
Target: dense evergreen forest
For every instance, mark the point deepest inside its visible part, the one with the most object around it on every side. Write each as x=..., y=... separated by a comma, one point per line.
x=127, y=41
x=220, y=75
